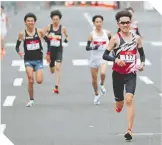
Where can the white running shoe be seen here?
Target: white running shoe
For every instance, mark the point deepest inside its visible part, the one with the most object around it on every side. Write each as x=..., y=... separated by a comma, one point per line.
x=30, y=103
x=96, y=100
x=102, y=90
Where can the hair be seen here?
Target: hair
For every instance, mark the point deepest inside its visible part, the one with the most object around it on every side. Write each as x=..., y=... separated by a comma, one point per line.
x=56, y=13
x=97, y=16
x=130, y=8
x=30, y=15
x=123, y=13
x=2, y=6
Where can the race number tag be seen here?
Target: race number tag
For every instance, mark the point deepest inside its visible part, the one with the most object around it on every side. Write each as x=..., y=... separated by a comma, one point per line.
x=55, y=43
x=32, y=45
x=127, y=56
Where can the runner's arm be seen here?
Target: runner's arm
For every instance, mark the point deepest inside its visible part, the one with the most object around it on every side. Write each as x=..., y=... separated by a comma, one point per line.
x=109, y=34
x=44, y=36
x=141, y=50
x=88, y=47
x=19, y=40
x=66, y=35
x=106, y=55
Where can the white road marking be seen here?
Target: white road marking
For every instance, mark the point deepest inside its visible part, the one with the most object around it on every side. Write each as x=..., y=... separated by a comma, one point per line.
x=18, y=82
x=147, y=62
x=80, y=62
x=2, y=128
x=160, y=94
x=10, y=44
x=89, y=19
x=146, y=80
x=91, y=126
x=9, y=101
x=22, y=67
x=156, y=43
x=142, y=134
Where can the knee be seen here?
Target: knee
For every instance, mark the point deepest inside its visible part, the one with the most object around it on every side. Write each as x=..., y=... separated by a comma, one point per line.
x=129, y=99
x=30, y=80
x=39, y=81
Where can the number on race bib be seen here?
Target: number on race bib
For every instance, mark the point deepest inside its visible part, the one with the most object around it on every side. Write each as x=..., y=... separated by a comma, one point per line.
x=55, y=43
x=128, y=58
x=33, y=46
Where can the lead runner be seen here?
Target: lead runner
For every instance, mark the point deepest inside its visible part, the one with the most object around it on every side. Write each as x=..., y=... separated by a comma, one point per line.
x=125, y=45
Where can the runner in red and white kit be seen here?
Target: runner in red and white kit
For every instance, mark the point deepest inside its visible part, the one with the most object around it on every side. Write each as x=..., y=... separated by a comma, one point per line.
x=125, y=46
x=97, y=42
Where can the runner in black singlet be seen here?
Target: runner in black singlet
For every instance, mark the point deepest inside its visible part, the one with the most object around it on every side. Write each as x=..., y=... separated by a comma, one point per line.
x=33, y=56
x=125, y=45
x=55, y=31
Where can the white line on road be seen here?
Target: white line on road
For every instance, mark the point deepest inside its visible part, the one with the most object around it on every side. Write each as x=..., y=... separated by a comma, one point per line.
x=156, y=43
x=18, y=82
x=10, y=44
x=89, y=19
x=160, y=94
x=2, y=128
x=9, y=101
x=146, y=80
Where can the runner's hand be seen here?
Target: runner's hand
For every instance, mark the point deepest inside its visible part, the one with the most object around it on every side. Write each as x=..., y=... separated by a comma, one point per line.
x=48, y=58
x=120, y=62
x=141, y=67
x=21, y=54
x=2, y=53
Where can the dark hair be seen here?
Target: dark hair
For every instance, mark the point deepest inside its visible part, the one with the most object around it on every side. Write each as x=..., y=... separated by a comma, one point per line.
x=56, y=13
x=2, y=6
x=30, y=15
x=123, y=13
x=97, y=16
x=130, y=8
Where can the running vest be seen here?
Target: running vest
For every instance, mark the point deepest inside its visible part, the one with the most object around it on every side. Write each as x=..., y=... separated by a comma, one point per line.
x=3, y=22
x=32, y=47
x=102, y=41
x=127, y=51
x=134, y=26
x=55, y=38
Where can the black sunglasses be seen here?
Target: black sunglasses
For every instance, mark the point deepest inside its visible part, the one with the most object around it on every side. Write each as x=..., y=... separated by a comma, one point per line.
x=127, y=22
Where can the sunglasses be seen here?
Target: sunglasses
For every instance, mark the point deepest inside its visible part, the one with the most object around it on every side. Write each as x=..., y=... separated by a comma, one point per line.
x=127, y=22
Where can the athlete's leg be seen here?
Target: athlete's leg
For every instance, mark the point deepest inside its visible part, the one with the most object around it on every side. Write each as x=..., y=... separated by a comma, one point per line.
x=2, y=46
x=39, y=71
x=118, y=88
x=94, y=73
x=58, y=71
x=30, y=72
x=52, y=63
x=103, y=68
x=130, y=90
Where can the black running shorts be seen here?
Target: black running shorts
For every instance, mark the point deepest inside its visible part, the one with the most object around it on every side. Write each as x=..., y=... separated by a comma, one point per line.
x=119, y=80
x=56, y=57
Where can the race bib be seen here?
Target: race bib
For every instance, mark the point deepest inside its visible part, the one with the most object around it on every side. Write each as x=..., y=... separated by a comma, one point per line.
x=33, y=46
x=55, y=43
x=128, y=56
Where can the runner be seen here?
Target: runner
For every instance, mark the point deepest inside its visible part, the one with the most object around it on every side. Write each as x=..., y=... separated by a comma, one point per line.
x=4, y=27
x=125, y=45
x=55, y=31
x=33, y=52
x=97, y=42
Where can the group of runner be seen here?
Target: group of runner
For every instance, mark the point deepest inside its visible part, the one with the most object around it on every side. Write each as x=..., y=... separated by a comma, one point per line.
x=121, y=49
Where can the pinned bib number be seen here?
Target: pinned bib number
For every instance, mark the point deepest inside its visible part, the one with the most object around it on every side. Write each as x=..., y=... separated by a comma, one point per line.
x=55, y=43
x=33, y=46
x=128, y=58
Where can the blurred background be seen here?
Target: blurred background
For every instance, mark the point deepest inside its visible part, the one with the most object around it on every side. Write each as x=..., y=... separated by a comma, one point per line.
x=15, y=7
